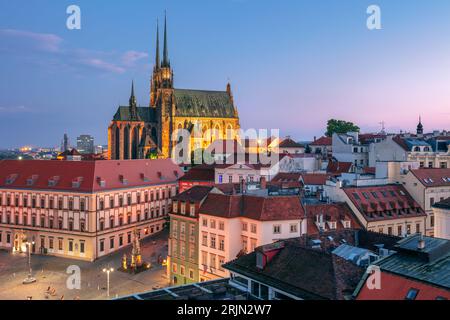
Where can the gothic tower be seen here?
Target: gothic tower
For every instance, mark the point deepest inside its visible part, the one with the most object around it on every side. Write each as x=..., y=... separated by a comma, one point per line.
x=419, y=130
x=161, y=94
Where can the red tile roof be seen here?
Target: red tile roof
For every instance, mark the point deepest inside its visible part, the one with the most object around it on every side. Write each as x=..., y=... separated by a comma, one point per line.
x=86, y=176
x=336, y=212
x=396, y=287
x=287, y=180
x=253, y=207
x=433, y=177
x=199, y=173
x=289, y=143
x=314, y=178
x=323, y=141
x=336, y=167
x=384, y=202
x=194, y=194
x=370, y=170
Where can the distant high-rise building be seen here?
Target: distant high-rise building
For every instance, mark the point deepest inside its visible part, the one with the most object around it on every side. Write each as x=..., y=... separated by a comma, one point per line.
x=65, y=143
x=85, y=143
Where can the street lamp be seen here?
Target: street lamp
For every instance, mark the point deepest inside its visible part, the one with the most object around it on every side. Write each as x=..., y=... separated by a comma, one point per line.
x=107, y=271
x=29, y=279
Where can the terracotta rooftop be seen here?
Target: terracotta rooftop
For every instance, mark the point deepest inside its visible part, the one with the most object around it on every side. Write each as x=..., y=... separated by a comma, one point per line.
x=86, y=176
x=253, y=207
x=323, y=141
x=194, y=194
x=314, y=178
x=289, y=143
x=287, y=180
x=199, y=173
x=306, y=273
x=444, y=204
x=433, y=177
x=333, y=212
x=336, y=167
x=384, y=202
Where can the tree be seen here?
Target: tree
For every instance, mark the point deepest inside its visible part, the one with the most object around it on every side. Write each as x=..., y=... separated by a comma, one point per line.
x=340, y=126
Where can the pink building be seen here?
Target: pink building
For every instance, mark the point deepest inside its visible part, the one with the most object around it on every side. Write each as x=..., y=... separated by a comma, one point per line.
x=231, y=225
x=83, y=209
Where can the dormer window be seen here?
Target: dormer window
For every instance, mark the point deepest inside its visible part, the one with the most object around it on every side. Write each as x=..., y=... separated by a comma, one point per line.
x=11, y=178
x=101, y=182
x=31, y=180
x=332, y=225
x=123, y=180
x=53, y=181
x=260, y=260
x=175, y=206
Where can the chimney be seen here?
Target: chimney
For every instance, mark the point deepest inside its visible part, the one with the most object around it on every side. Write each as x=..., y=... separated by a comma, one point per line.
x=243, y=186
x=263, y=183
x=314, y=138
x=421, y=243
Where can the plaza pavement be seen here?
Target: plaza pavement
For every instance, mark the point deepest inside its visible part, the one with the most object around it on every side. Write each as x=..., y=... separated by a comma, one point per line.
x=51, y=272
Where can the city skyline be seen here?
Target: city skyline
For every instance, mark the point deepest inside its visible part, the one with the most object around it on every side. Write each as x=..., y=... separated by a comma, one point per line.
x=318, y=62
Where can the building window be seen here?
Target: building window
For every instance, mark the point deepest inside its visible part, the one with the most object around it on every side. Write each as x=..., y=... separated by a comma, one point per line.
x=120, y=240
x=205, y=222
x=81, y=246
x=175, y=206
x=111, y=243
x=50, y=243
x=221, y=243
x=192, y=210
x=102, y=245
x=390, y=231
x=174, y=267
x=408, y=229
x=244, y=226
x=212, y=224
x=111, y=202
x=253, y=228
x=293, y=228
x=60, y=244
x=399, y=231
x=191, y=274
x=220, y=178
x=213, y=241
x=212, y=258
x=431, y=202
x=412, y=294
x=182, y=270
x=417, y=227
x=204, y=239
x=221, y=263
x=70, y=245
x=277, y=229
x=221, y=225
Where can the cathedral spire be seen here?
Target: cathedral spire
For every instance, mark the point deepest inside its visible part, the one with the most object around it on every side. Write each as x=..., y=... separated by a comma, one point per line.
x=157, y=63
x=420, y=126
x=132, y=97
x=165, y=62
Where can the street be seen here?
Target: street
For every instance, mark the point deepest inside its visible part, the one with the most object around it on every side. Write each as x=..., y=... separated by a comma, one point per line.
x=51, y=272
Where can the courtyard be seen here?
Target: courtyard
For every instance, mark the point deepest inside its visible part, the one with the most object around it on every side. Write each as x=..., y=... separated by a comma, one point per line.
x=52, y=272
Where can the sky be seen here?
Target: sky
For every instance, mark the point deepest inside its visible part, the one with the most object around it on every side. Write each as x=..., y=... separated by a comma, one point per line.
x=292, y=64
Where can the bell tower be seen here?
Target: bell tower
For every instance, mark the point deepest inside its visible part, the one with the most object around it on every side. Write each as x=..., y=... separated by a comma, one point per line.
x=161, y=94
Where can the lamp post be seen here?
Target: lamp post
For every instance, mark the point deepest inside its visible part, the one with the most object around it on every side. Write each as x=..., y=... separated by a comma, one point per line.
x=107, y=271
x=29, y=279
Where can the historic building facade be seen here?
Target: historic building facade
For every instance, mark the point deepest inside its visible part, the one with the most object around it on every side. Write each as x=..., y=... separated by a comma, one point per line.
x=145, y=132
x=83, y=209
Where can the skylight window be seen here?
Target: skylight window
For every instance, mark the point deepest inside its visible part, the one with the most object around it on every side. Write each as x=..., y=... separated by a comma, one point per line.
x=412, y=294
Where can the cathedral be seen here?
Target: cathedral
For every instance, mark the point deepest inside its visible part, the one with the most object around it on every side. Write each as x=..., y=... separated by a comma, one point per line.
x=138, y=132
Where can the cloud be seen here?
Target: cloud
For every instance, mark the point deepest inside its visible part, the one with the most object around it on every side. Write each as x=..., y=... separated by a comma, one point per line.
x=48, y=50
x=102, y=65
x=130, y=58
x=14, y=109
x=20, y=39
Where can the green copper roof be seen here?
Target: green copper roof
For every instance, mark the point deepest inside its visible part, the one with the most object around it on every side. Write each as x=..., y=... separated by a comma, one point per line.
x=145, y=114
x=197, y=103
